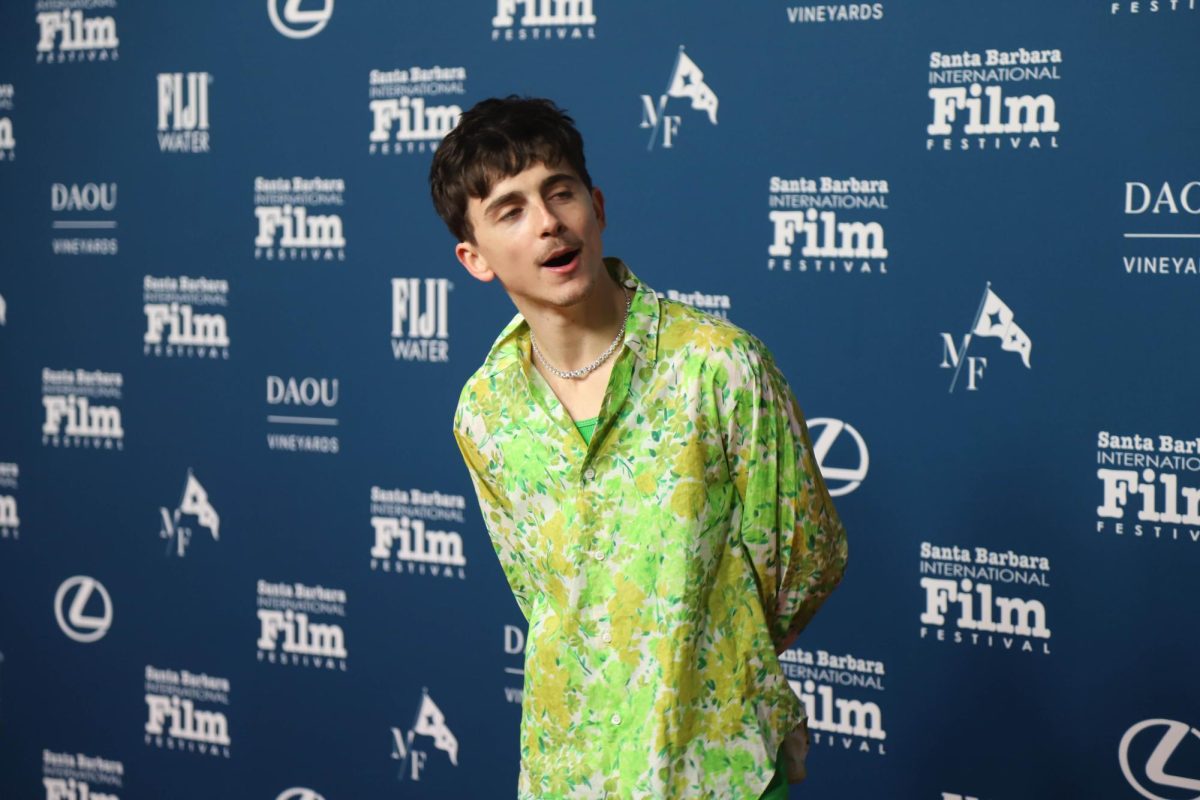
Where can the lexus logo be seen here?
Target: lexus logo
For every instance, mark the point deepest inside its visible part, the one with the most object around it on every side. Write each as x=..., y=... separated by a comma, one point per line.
x=298, y=793
x=845, y=479
x=1153, y=775
x=80, y=621
x=297, y=24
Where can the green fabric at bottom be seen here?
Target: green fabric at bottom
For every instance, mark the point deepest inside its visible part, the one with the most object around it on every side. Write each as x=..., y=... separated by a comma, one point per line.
x=777, y=789
x=586, y=428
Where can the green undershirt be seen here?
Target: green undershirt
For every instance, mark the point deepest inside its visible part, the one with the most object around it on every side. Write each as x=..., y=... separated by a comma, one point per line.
x=586, y=428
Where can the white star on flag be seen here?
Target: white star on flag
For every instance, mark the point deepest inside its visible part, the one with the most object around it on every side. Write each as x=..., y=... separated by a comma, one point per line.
x=688, y=81
x=432, y=722
x=997, y=320
x=195, y=501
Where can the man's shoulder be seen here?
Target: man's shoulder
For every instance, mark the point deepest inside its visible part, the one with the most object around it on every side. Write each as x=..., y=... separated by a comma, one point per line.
x=480, y=397
x=688, y=332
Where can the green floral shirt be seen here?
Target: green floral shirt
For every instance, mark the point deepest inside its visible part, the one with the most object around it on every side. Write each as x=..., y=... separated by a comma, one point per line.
x=660, y=567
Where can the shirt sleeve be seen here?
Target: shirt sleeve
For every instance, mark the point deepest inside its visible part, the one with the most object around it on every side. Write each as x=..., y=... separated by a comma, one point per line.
x=497, y=515
x=790, y=531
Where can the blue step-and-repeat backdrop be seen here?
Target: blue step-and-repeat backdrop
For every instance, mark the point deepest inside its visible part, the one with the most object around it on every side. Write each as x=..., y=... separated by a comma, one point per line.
x=240, y=556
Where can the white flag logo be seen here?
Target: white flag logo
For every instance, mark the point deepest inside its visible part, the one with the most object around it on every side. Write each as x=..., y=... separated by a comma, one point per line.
x=688, y=81
x=432, y=722
x=996, y=319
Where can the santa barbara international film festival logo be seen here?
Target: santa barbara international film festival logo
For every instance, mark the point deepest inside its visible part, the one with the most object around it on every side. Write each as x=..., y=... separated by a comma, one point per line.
x=718, y=305
x=430, y=724
x=183, y=112
x=827, y=225
x=686, y=82
x=295, y=219
x=182, y=712
x=1152, y=8
x=182, y=319
x=822, y=680
x=993, y=319
x=86, y=209
x=10, y=520
x=543, y=20
x=83, y=609
x=314, y=399
x=962, y=604
x=75, y=776
x=76, y=30
x=1156, y=775
x=1144, y=491
x=986, y=101
x=841, y=454
x=296, y=625
x=8, y=142
x=420, y=319
x=407, y=533
x=295, y=22
x=79, y=409
x=1166, y=216
x=193, y=503
x=408, y=114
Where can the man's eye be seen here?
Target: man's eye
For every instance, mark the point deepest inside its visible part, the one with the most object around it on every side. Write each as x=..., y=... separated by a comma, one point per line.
x=512, y=213
x=565, y=194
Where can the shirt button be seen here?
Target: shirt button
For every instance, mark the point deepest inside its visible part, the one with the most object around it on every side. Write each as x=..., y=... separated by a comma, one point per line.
x=589, y=474
x=599, y=556
x=616, y=719
x=607, y=637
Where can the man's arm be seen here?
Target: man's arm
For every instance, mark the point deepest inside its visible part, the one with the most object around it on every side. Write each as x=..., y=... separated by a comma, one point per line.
x=497, y=516
x=790, y=530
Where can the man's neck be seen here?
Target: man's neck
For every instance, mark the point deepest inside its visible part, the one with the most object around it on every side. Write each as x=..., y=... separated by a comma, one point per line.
x=573, y=337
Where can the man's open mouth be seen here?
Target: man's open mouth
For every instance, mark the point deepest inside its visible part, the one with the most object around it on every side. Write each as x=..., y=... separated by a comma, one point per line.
x=561, y=260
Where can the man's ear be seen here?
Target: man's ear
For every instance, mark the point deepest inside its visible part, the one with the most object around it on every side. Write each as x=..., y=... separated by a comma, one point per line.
x=598, y=207
x=470, y=257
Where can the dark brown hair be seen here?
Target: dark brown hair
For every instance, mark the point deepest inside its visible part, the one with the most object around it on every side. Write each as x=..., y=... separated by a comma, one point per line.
x=496, y=139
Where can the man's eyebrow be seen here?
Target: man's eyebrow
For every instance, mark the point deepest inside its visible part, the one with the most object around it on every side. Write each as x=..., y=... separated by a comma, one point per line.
x=557, y=177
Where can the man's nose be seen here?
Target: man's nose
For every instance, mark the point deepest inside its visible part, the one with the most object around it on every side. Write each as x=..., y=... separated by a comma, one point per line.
x=551, y=225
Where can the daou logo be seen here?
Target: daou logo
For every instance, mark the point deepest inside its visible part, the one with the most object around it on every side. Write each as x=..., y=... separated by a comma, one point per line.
x=88, y=197
x=296, y=23
x=296, y=792
x=1140, y=198
x=75, y=620
x=1152, y=778
x=304, y=392
x=846, y=479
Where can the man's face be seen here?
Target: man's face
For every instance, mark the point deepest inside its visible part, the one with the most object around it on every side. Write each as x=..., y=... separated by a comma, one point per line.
x=539, y=233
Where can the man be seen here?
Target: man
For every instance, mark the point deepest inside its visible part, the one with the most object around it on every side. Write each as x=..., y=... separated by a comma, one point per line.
x=647, y=482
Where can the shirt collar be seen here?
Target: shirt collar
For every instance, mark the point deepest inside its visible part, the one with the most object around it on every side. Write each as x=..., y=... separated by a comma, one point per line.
x=641, y=329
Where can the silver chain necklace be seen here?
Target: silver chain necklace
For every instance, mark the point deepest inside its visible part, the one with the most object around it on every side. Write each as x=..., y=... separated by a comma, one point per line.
x=585, y=371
